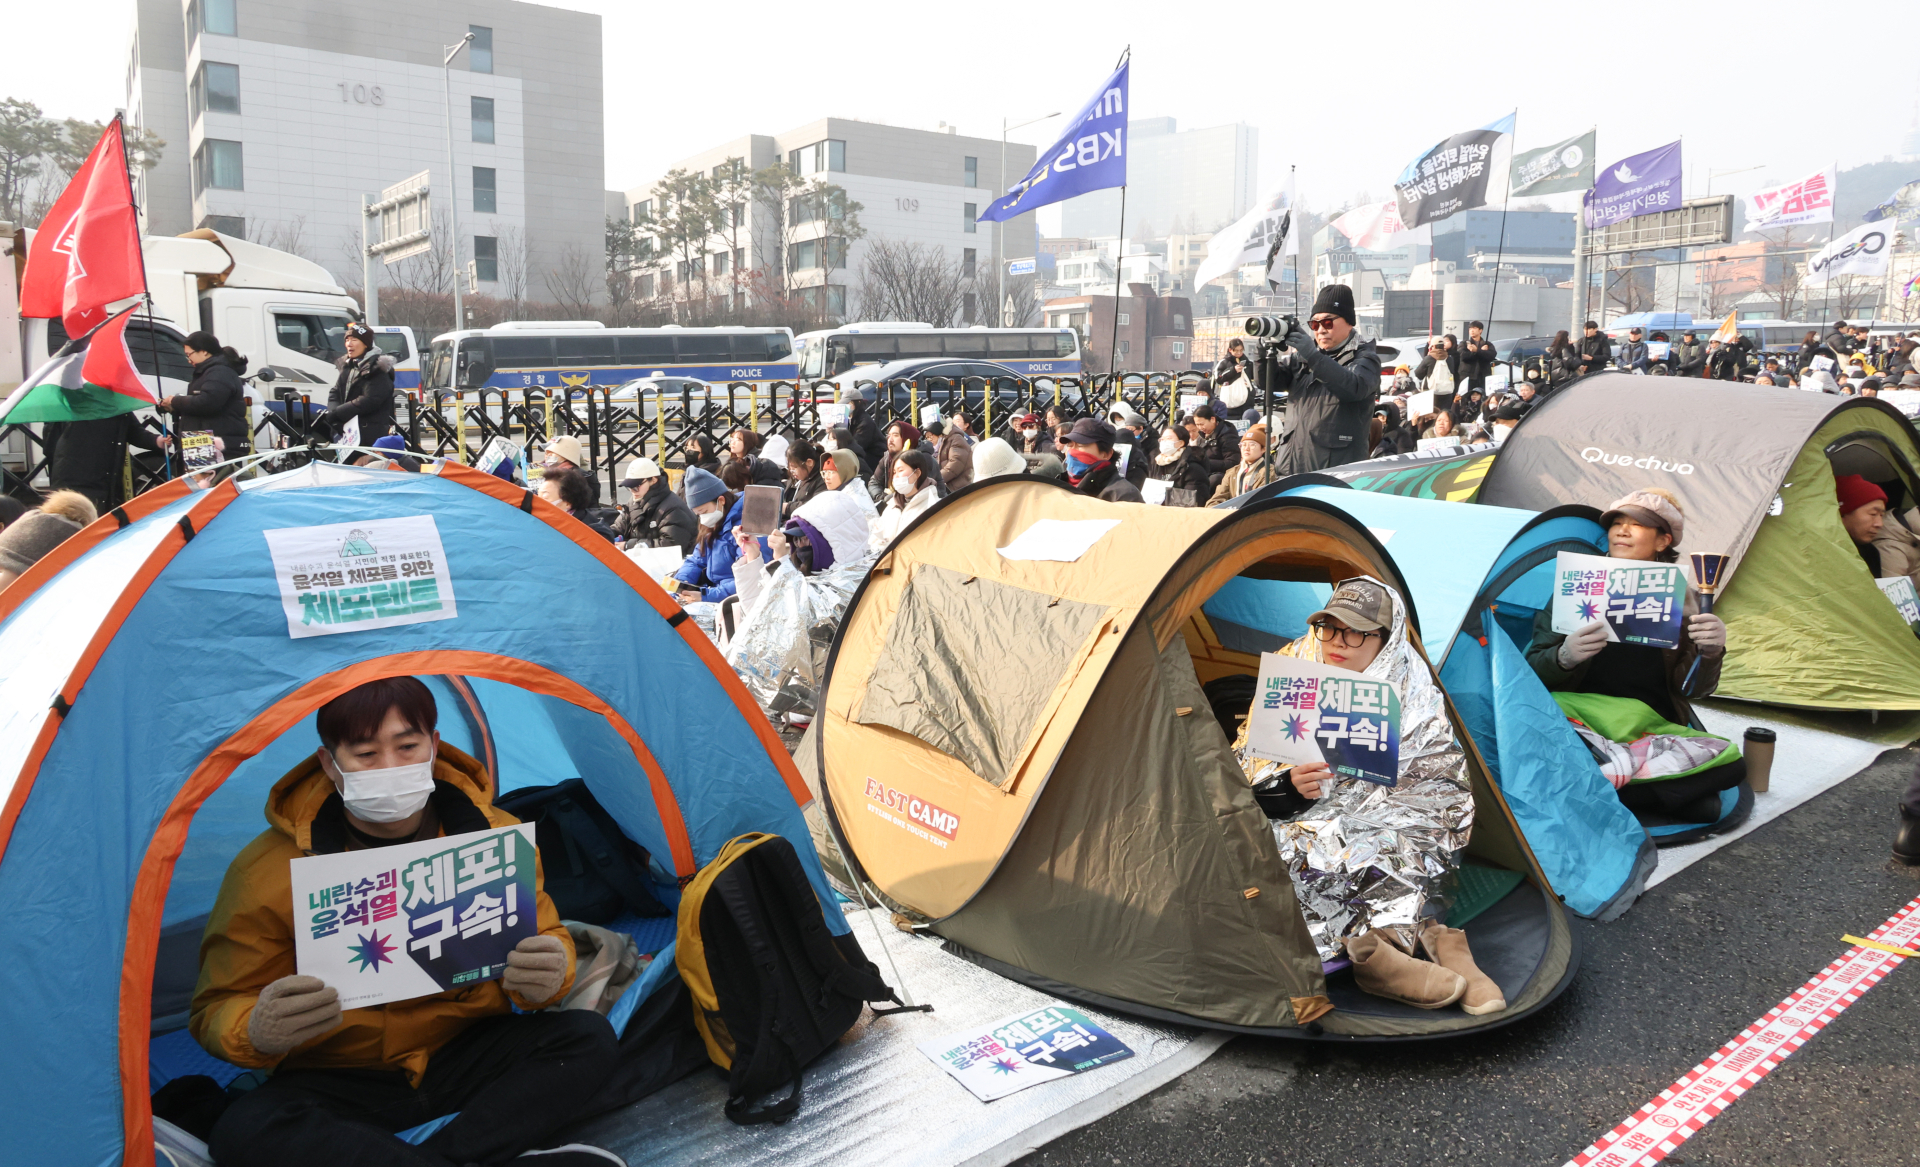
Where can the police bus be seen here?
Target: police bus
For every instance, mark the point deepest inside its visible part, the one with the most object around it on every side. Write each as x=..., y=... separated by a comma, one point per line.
x=1031, y=352
x=577, y=354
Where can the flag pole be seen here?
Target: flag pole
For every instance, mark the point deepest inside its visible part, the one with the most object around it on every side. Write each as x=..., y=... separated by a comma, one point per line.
x=1500, y=253
x=146, y=291
x=1119, y=266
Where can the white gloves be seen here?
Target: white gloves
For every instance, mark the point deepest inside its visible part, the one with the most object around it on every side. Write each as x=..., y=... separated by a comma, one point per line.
x=1583, y=644
x=536, y=968
x=1708, y=633
x=291, y=1012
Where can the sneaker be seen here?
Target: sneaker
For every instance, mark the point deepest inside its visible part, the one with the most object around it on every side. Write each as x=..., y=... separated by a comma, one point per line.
x=574, y=1155
x=1906, y=841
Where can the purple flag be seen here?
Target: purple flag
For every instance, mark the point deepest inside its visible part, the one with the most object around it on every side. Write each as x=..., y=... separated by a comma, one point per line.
x=1643, y=184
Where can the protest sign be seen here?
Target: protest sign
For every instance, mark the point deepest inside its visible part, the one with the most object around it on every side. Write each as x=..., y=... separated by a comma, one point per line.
x=1153, y=491
x=1025, y=1050
x=1058, y=540
x=832, y=415
x=1191, y=401
x=1641, y=602
x=1304, y=711
x=197, y=450
x=1446, y=443
x=1900, y=591
x=394, y=923
x=350, y=577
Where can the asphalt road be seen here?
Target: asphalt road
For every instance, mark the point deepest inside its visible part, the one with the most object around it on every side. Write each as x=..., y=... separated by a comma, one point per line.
x=1686, y=969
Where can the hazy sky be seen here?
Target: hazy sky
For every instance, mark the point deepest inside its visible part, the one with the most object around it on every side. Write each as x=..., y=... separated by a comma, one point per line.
x=1348, y=103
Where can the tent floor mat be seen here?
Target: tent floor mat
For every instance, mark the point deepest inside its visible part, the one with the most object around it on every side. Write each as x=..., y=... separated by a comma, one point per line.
x=1509, y=940
x=1477, y=888
x=1735, y=805
x=857, y=1094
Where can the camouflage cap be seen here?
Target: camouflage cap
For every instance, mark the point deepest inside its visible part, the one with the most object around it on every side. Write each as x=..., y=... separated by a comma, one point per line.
x=1359, y=603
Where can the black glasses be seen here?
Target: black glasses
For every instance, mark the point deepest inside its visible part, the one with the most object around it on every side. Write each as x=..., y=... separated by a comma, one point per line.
x=1348, y=637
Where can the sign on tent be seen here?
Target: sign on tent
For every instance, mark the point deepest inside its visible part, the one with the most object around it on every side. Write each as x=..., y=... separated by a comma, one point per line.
x=371, y=573
x=417, y=918
x=1900, y=591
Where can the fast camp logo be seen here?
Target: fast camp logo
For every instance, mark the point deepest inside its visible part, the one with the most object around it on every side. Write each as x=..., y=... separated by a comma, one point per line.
x=943, y=823
x=1600, y=456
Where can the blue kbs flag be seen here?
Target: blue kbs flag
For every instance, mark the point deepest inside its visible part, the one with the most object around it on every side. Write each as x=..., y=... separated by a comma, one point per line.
x=1091, y=155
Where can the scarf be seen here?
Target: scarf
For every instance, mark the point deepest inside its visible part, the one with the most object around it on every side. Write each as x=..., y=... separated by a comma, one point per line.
x=1085, y=467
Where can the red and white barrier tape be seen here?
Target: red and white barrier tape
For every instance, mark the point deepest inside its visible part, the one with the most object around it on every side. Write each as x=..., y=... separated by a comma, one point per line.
x=1656, y=1129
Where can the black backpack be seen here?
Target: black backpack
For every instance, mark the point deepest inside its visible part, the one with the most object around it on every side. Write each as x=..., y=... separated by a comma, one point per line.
x=590, y=869
x=772, y=988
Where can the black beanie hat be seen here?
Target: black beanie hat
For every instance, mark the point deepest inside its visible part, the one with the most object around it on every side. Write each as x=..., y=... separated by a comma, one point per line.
x=1336, y=299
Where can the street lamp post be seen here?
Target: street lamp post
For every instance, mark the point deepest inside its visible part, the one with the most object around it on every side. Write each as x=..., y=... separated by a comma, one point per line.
x=1000, y=226
x=453, y=190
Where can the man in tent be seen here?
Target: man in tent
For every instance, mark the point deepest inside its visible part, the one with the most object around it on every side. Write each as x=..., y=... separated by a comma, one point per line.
x=1637, y=696
x=1863, y=512
x=342, y=1082
x=1372, y=864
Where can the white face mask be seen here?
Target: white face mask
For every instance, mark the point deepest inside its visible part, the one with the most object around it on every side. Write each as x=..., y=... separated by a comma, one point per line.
x=829, y=445
x=902, y=484
x=1030, y=433
x=385, y=795
x=710, y=519
x=1168, y=445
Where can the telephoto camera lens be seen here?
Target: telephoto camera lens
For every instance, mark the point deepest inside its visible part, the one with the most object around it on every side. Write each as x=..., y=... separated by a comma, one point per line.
x=1269, y=325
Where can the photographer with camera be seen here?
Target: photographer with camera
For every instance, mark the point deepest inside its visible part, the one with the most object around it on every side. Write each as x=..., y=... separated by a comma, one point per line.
x=1332, y=378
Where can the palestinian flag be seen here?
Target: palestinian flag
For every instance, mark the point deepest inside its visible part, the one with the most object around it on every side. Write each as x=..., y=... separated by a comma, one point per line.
x=98, y=381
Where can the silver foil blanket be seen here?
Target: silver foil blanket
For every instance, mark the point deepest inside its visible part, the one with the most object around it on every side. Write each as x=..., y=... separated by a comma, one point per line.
x=781, y=648
x=1366, y=856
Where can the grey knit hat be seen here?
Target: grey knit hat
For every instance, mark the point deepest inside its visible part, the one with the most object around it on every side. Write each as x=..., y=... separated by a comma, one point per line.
x=26, y=542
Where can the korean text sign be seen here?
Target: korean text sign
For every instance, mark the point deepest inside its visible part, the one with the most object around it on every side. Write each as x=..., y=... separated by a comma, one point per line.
x=1641, y=602
x=1304, y=711
x=406, y=921
x=349, y=577
x=1900, y=591
x=1025, y=1050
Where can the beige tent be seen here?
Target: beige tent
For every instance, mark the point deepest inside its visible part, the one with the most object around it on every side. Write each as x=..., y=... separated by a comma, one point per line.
x=1020, y=752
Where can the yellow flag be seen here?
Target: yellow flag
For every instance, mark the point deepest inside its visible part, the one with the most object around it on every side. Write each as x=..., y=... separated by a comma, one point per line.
x=1729, y=330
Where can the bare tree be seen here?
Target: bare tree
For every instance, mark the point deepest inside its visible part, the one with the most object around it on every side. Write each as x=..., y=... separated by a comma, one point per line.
x=1021, y=308
x=1785, y=277
x=1631, y=288
x=512, y=250
x=288, y=235
x=570, y=283
x=432, y=271
x=910, y=281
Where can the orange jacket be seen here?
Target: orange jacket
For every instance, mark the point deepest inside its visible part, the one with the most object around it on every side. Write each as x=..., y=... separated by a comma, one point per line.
x=249, y=944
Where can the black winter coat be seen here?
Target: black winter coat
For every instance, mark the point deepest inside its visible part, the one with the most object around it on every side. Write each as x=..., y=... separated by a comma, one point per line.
x=1330, y=407
x=802, y=492
x=1476, y=360
x=1596, y=352
x=1220, y=450
x=1106, y=483
x=364, y=390
x=1690, y=359
x=87, y=454
x=1186, y=472
x=215, y=401
x=659, y=517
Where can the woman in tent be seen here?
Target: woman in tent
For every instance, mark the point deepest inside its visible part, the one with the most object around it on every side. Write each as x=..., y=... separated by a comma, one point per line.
x=1181, y=467
x=342, y=1080
x=707, y=573
x=1666, y=767
x=912, y=492
x=1372, y=864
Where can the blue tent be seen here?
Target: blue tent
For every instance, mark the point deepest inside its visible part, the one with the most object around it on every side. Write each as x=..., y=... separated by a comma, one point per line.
x=1478, y=574
x=163, y=670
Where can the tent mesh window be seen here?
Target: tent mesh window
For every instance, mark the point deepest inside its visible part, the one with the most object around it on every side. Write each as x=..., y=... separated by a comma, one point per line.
x=925, y=682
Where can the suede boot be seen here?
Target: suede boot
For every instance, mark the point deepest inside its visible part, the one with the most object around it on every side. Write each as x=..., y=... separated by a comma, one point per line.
x=1381, y=969
x=1448, y=948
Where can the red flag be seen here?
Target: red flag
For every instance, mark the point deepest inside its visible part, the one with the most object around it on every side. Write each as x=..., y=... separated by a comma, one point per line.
x=109, y=362
x=86, y=254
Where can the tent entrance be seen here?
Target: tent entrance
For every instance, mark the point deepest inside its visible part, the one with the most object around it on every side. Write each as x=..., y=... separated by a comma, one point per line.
x=1873, y=457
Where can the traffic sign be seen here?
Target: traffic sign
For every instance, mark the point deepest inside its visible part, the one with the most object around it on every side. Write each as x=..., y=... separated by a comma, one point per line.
x=1020, y=267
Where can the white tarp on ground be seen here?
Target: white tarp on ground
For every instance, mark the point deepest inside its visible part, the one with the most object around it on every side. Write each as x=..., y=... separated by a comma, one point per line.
x=1814, y=752
x=878, y=1100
